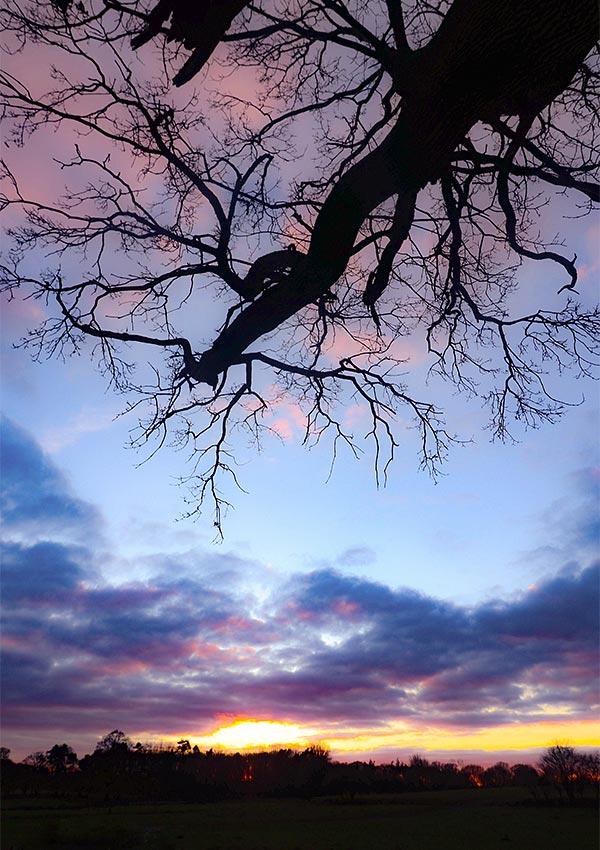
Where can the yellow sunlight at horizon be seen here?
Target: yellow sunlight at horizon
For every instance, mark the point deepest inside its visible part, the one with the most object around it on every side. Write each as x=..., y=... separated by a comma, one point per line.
x=508, y=737
x=248, y=733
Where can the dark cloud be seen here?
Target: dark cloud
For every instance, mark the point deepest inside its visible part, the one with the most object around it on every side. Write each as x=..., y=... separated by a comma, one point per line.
x=562, y=609
x=456, y=659
x=34, y=495
x=42, y=573
x=171, y=654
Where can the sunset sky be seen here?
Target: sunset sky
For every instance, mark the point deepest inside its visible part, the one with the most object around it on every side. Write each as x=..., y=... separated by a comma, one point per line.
x=456, y=618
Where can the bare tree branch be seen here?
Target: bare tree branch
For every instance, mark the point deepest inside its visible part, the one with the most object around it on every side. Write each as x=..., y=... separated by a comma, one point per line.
x=333, y=178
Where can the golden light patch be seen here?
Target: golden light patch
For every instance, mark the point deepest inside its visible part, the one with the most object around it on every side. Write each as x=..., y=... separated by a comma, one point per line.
x=507, y=737
x=250, y=734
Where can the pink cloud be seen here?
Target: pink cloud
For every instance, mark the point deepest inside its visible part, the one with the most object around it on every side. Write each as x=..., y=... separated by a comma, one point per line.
x=202, y=649
x=289, y=422
x=344, y=607
x=401, y=348
x=355, y=414
x=19, y=314
x=283, y=429
x=233, y=623
x=119, y=668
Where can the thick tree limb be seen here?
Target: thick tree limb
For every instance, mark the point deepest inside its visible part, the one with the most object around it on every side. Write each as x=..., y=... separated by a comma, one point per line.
x=403, y=219
x=489, y=58
x=198, y=24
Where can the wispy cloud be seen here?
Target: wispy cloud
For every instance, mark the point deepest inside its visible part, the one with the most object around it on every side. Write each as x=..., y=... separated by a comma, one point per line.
x=85, y=422
x=356, y=556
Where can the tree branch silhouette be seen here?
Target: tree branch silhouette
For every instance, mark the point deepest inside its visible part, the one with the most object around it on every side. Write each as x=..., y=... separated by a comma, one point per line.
x=439, y=131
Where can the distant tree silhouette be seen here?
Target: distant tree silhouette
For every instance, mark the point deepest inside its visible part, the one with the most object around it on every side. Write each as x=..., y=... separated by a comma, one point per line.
x=440, y=132
x=37, y=759
x=562, y=766
x=116, y=742
x=497, y=775
x=589, y=768
x=524, y=775
x=473, y=773
x=108, y=771
x=61, y=758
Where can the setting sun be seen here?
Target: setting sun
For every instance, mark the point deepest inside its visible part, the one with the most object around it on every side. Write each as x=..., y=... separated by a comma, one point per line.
x=246, y=734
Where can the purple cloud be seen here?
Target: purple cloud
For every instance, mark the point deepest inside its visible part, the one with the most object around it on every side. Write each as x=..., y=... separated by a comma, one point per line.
x=40, y=574
x=162, y=654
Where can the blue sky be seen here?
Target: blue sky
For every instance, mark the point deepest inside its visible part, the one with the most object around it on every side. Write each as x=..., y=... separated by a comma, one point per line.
x=484, y=528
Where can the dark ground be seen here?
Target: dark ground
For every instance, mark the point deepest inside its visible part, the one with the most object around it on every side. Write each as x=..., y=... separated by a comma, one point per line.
x=483, y=819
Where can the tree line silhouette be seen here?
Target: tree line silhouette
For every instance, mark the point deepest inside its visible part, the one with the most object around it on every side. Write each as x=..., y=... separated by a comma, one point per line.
x=120, y=771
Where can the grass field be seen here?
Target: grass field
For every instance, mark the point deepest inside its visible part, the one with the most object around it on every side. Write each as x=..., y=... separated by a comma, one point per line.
x=483, y=819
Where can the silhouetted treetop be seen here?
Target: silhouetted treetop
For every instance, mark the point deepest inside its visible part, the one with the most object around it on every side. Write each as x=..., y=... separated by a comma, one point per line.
x=329, y=187
x=61, y=758
x=114, y=743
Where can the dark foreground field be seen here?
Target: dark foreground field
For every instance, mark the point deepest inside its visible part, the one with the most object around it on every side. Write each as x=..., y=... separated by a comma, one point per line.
x=483, y=819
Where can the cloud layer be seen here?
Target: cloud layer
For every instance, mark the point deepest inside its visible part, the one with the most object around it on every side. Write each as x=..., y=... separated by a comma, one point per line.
x=210, y=635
